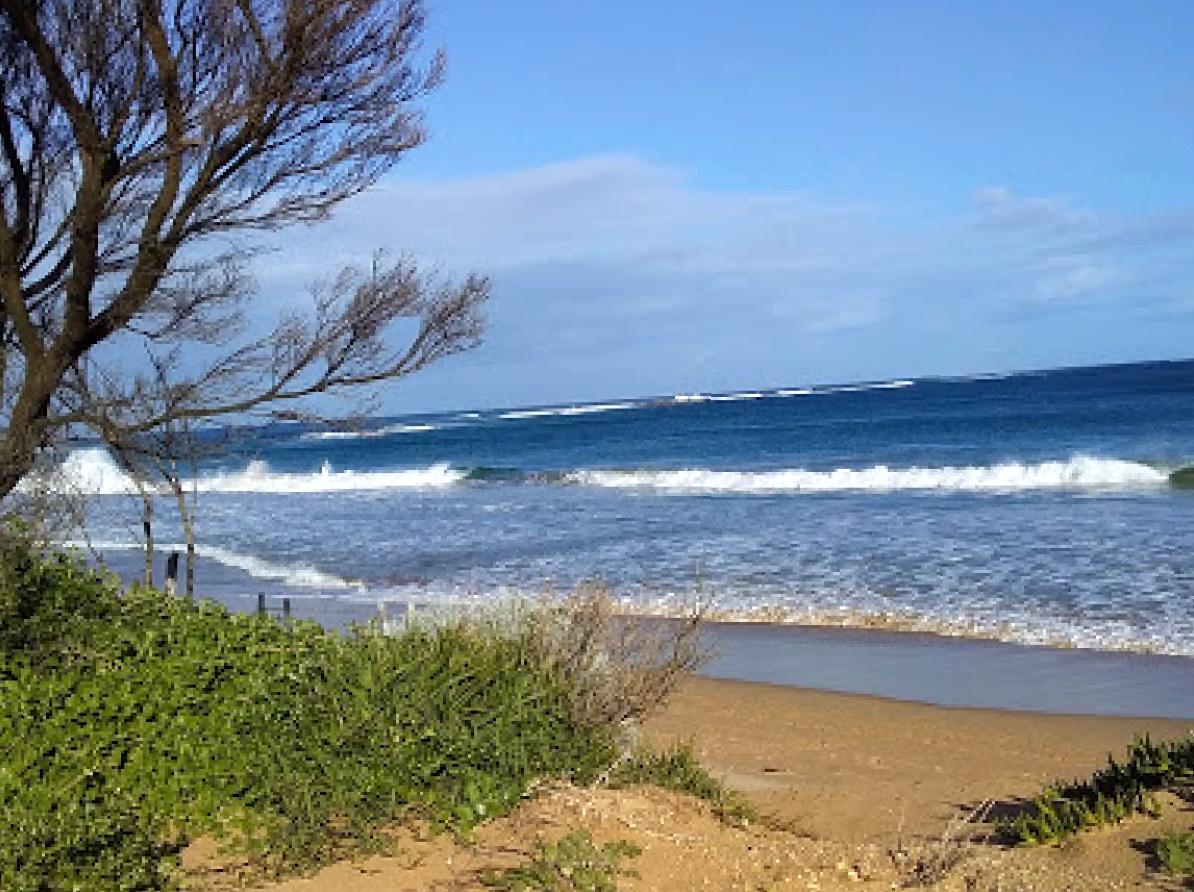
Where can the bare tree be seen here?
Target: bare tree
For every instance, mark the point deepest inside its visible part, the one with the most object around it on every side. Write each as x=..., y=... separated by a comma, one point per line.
x=174, y=448
x=129, y=462
x=157, y=462
x=139, y=141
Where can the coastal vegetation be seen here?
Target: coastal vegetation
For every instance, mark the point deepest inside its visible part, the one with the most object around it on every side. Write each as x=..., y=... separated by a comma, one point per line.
x=574, y=863
x=1175, y=851
x=134, y=722
x=677, y=768
x=1109, y=796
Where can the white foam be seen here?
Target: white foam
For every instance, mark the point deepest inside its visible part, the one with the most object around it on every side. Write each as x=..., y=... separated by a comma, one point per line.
x=1081, y=472
x=297, y=575
x=369, y=434
x=94, y=471
x=690, y=398
x=795, y=391
x=587, y=409
x=859, y=388
x=736, y=397
x=257, y=477
x=529, y=413
x=593, y=408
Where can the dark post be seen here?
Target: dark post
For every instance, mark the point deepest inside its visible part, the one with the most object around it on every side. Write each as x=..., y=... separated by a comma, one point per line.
x=285, y=608
x=172, y=573
x=261, y=603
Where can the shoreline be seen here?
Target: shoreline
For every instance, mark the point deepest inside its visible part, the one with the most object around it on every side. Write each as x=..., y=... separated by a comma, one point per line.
x=235, y=578
x=909, y=666
x=946, y=671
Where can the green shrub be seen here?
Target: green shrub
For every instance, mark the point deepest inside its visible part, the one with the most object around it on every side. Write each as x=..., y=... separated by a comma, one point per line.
x=1176, y=853
x=132, y=723
x=677, y=769
x=1111, y=794
x=50, y=606
x=573, y=864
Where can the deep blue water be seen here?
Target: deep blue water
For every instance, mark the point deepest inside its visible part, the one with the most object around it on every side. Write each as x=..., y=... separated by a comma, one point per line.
x=1032, y=507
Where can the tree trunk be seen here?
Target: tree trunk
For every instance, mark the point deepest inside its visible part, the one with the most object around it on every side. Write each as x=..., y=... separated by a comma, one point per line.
x=190, y=561
x=188, y=529
x=147, y=527
x=18, y=452
x=26, y=424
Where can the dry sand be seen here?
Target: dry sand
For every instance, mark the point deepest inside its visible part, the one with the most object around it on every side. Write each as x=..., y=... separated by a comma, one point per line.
x=858, y=768
x=857, y=790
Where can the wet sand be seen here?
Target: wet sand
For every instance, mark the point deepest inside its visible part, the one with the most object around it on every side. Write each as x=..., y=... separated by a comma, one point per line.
x=951, y=671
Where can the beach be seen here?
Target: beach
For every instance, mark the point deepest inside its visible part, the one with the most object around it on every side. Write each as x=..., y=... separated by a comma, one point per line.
x=854, y=792
x=860, y=768
x=818, y=514
x=924, y=595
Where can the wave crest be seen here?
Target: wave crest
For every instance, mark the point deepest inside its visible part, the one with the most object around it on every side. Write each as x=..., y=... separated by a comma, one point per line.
x=1080, y=472
x=370, y=433
x=257, y=477
x=94, y=471
x=567, y=411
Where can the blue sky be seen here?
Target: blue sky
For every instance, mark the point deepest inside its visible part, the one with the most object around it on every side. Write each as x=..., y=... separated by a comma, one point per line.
x=679, y=196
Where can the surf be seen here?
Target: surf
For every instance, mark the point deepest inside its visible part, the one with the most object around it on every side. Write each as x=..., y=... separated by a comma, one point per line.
x=1080, y=472
x=95, y=472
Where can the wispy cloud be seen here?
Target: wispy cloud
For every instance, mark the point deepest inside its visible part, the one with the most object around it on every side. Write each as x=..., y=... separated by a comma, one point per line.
x=1076, y=277
x=998, y=207
x=614, y=275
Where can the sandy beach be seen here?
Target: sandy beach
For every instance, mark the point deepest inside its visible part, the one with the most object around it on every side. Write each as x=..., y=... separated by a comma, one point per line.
x=856, y=792
x=859, y=768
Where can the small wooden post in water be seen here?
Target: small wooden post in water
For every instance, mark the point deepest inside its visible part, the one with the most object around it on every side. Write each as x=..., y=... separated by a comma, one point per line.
x=261, y=603
x=285, y=608
x=172, y=573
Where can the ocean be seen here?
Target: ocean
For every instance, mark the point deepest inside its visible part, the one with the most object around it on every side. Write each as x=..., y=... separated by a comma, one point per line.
x=1032, y=507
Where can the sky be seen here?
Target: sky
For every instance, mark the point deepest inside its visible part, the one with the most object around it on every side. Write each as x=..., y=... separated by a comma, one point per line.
x=694, y=196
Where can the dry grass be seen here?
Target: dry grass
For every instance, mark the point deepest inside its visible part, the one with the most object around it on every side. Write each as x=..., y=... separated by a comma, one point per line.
x=621, y=667
x=627, y=666
x=924, y=863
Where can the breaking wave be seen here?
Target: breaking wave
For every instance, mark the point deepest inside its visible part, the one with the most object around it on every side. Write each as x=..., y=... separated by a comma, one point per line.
x=370, y=434
x=737, y=397
x=790, y=391
x=859, y=388
x=94, y=471
x=1077, y=473
x=257, y=477
x=567, y=411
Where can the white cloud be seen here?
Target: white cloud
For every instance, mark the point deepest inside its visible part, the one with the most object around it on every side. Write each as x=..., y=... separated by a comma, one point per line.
x=998, y=207
x=617, y=276
x=1076, y=278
